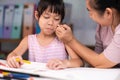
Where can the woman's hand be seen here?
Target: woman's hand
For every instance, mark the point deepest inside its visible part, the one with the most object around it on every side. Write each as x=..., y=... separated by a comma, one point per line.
x=64, y=33
x=57, y=64
x=13, y=62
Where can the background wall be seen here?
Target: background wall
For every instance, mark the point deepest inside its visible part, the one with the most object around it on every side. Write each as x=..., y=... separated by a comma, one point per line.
x=2, y=2
x=84, y=27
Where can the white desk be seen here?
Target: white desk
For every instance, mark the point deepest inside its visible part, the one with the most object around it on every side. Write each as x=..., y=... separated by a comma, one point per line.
x=85, y=74
x=70, y=73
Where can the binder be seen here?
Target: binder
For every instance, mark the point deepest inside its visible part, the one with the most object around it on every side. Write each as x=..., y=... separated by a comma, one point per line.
x=9, y=12
x=37, y=28
x=28, y=15
x=1, y=20
x=17, y=22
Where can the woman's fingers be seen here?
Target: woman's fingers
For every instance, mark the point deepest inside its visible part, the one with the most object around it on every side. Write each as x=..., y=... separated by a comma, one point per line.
x=64, y=33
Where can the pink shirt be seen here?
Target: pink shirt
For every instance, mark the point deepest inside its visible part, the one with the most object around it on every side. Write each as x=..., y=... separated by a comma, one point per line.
x=38, y=53
x=108, y=43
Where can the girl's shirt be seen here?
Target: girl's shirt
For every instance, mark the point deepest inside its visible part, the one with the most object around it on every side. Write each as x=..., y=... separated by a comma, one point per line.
x=38, y=53
x=108, y=43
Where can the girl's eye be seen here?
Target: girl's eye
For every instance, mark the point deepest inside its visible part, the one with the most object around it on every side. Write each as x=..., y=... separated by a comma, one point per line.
x=57, y=19
x=46, y=17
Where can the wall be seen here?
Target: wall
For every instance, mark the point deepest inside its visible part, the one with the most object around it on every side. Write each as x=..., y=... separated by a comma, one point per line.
x=17, y=1
x=84, y=27
x=8, y=46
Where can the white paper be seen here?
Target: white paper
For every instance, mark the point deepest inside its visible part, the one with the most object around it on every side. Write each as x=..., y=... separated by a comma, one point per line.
x=81, y=73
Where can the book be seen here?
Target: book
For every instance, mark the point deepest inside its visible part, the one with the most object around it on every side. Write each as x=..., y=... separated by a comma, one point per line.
x=37, y=28
x=80, y=73
x=1, y=20
x=17, y=22
x=28, y=15
x=26, y=68
x=9, y=12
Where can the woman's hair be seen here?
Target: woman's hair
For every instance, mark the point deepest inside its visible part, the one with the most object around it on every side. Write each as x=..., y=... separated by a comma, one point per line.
x=101, y=5
x=55, y=6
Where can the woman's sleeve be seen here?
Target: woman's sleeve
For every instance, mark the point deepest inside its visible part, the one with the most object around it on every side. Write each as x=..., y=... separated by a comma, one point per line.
x=98, y=44
x=112, y=52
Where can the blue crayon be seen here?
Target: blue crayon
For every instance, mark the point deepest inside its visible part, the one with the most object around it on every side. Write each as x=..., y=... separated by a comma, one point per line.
x=19, y=75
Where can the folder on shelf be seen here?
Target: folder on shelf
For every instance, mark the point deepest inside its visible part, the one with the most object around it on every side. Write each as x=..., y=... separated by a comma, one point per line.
x=17, y=22
x=9, y=12
x=1, y=20
x=37, y=28
x=28, y=16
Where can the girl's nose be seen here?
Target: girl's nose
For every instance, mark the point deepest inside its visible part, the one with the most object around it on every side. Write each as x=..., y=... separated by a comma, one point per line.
x=50, y=22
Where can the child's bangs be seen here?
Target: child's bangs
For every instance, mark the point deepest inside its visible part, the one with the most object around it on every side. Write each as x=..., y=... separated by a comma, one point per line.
x=54, y=9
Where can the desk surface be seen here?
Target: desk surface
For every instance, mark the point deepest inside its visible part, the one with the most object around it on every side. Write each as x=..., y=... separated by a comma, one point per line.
x=69, y=73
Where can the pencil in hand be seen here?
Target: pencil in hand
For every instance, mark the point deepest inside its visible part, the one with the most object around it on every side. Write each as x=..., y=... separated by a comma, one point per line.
x=25, y=61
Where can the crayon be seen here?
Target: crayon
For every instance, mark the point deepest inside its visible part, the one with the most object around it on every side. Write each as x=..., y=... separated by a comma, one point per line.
x=15, y=75
x=25, y=61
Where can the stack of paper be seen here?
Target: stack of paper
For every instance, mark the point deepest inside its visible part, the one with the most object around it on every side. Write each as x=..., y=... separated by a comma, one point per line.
x=67, y=74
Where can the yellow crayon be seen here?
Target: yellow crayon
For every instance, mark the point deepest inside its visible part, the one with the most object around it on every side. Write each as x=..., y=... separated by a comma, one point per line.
x=25, y=61
x=5, y=73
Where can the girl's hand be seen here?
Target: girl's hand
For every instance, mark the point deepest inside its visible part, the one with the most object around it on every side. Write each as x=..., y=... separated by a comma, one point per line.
x=57, y=64
x=64, y=33
x=13, y=62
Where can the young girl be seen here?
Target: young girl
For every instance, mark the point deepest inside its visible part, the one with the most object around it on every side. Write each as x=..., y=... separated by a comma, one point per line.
x=45, y=46
x=107, y=14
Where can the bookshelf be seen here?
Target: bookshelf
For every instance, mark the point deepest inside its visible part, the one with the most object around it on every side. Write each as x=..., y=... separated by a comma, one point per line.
x=6, y=43
x=13, y=40
x=4, y=53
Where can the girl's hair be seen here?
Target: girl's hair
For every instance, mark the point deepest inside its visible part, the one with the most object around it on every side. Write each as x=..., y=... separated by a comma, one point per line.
x=101, y=5
x=55, y=6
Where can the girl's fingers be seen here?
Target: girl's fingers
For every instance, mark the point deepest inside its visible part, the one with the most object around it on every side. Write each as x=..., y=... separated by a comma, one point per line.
x=13, y=63
x=49, y=64
x=57, y=64
x=59, y=67
x=9, y=63
x=54, y=63
x=20, y=60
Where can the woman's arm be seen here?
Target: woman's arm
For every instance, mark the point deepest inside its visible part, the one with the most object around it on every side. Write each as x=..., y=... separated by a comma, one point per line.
x=64, y=33
x=96, y=60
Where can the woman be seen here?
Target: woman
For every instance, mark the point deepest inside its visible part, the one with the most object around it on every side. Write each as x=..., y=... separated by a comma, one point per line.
x=107, y=14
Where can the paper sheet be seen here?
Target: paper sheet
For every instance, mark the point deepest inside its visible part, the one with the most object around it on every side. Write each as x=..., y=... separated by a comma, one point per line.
x=81, y=73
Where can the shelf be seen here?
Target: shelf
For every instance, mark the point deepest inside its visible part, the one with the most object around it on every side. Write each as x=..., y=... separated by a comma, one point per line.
x=10, y=40
x=4, y=53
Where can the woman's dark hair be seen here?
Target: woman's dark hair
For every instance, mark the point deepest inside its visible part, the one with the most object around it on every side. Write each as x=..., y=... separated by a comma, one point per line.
x=56, y=6
x=101, y=5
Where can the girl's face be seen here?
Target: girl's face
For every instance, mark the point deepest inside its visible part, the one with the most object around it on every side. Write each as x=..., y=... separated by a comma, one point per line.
x=48, y=22
x=103, y=20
